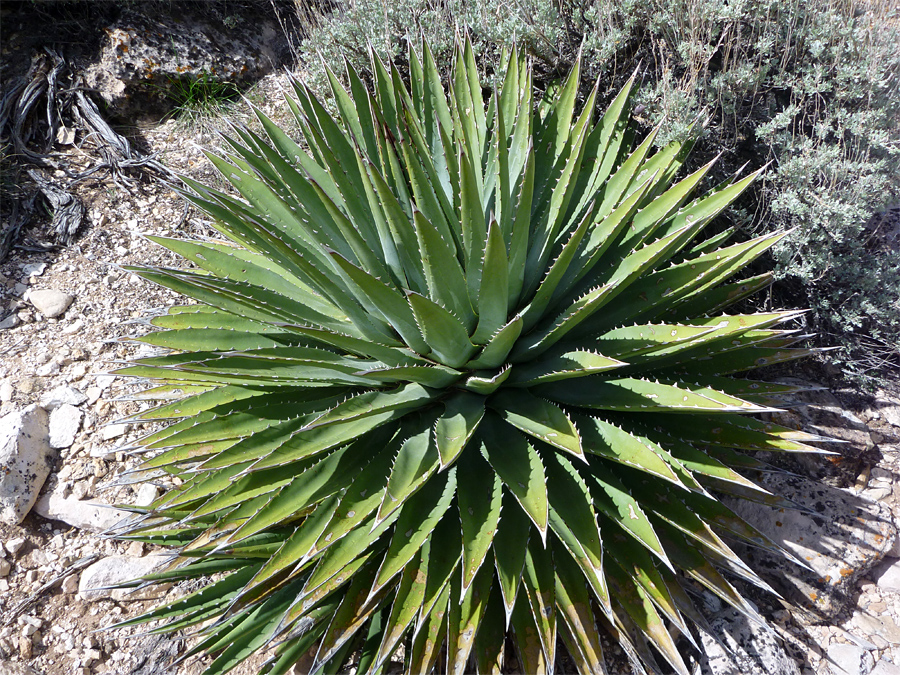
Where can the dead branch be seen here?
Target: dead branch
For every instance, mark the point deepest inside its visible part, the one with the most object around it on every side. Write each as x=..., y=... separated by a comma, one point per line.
x=32, y=111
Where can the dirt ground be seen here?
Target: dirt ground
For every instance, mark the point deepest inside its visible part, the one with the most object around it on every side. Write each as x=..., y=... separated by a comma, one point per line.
x=80, y=349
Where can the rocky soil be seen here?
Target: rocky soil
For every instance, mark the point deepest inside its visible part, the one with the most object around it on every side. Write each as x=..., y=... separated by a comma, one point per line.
x=66, y=318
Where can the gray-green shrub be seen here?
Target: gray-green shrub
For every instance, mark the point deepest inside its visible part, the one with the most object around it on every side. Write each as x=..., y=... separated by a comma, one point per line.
x=811, y=86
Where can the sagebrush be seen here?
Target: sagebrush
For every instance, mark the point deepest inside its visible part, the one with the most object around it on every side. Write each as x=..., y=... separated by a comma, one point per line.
x=812, y=86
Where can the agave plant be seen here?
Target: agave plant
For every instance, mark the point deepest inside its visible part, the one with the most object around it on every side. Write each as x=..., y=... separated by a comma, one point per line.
x=457, y=381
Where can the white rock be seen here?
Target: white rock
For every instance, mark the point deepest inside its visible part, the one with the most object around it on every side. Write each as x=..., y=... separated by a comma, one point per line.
x=146, y=495
x=89, y=656
x=878, y=472
x=849, y=539
x=103, y=452
x=78, y=371
x=6, y=391
x=51, y=303
x=890, y=575
x=62, y=394
x=113, y=431
x=754, y=650
x=96, y=579
x=93, y=394
x=847, y=658
x=877, y=494
x=882, y=626
x=34, y=269
x=74, y=327
x=886, y=667
x=27, y=458
x=69, y=585
x=103, y=381
x=27, y=619
x=65, y=422
x=83, y=515
x=47, y=369
x=889, y=407
x=14, y=546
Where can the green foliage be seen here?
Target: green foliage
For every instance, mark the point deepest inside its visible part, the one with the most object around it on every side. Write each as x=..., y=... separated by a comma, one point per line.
x=199, y=100
x=811, y=86
x=460, y=376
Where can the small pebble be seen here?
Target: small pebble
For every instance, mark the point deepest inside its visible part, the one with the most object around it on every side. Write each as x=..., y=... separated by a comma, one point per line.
x=70, y=584
x=14, y=546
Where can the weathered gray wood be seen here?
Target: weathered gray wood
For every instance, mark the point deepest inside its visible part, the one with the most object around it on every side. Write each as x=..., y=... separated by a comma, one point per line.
x=32, y=110
x=68, y=211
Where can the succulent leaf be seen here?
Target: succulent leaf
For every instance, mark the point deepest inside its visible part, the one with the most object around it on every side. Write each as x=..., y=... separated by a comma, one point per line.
x=459, y=377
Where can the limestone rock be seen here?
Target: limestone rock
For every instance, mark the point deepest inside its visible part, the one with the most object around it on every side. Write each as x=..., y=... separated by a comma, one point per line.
x=69, y=585
x=822, y=413
x=153, y=653
x=63, y=394
x=147, y=58
x=65, y=422
x=25, y=461
x=889, y=407
x=755, y=651
x=96, y=579
x=146, y=495
x=15, y=546
x=883, y=626
x=885, y=667
x=848, y=539
x=34, y=269
x=51, y=303
x=81, y=514
x=104, y=381
x=112, y=431
x=847, y=659
x=888, y=575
